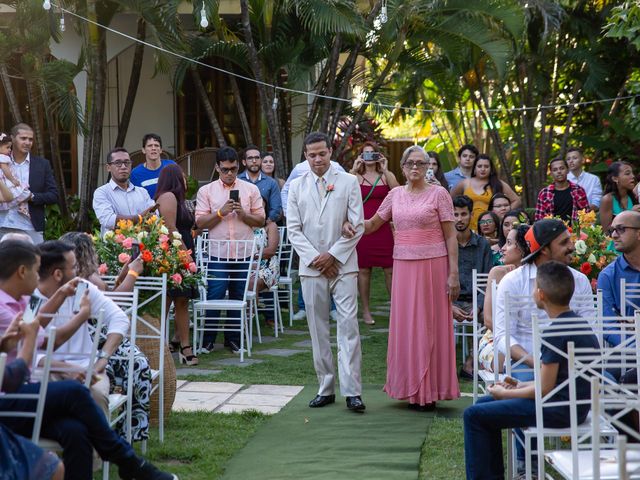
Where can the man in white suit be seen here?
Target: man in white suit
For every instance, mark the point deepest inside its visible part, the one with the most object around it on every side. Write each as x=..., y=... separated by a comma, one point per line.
x=319, y=202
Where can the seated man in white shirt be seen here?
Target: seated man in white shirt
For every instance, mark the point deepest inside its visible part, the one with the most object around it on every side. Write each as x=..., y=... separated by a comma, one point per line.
x=548, y=240
x=588, y=181
x=119, y=199
x=57, y=267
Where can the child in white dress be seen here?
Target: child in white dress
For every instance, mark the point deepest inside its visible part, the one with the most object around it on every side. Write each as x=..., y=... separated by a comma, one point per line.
x=12, y=192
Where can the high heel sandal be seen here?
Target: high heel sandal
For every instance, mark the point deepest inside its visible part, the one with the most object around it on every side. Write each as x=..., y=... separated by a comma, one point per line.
x=187, y=359
x=174, y=346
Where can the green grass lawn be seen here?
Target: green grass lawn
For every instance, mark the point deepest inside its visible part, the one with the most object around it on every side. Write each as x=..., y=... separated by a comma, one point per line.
x=197, y=445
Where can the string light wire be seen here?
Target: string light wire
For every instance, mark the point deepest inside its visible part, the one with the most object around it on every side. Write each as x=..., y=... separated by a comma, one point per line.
x=463, y=111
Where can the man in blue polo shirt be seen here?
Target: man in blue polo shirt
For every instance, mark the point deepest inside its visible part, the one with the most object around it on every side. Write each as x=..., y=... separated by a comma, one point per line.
x=146, y=174
x=467, y=154
x=268, y=187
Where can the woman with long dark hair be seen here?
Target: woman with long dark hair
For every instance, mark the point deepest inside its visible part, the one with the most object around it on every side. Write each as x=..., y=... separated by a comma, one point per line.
x=500, y=205
x=482, y=186
x=618, y=193
x=436, y=166
x=170, y=197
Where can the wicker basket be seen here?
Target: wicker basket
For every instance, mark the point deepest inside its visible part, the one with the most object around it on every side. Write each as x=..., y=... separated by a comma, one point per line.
x=150, y=348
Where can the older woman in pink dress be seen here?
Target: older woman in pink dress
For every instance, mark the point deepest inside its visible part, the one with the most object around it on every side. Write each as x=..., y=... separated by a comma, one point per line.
x=421, y=357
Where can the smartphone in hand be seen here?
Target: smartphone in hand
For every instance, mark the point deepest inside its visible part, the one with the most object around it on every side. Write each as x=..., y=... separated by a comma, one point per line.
x=234, y=195
x=30, y=313
x=135, y=251
x=80, y=289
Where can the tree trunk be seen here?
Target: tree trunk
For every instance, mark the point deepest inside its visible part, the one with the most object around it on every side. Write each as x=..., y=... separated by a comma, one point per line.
x=266, y=99
x=134, y=81
x=331, y=83
x=10, y=94
x=34, y=118
x=242, y=113
x=208, y=108
x=94, y=113
x=56, y=160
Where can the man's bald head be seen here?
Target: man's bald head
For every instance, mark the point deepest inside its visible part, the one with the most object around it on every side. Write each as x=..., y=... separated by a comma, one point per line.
x=625, y=231
x=23, y=237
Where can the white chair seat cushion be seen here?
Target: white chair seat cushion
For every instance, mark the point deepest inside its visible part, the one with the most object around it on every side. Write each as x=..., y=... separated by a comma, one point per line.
x=562, y=462
x=490, y=377
x=221, y=304
x=285, y=281
x=116, y=400
x=585, y=427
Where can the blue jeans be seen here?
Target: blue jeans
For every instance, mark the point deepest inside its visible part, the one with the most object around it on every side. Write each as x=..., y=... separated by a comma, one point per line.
x=72, y=419
x=233, y=281
x=483, y=425
x=301, y=305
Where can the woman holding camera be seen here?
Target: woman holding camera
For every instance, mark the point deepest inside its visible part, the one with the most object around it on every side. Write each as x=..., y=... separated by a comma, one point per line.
x=376, y=250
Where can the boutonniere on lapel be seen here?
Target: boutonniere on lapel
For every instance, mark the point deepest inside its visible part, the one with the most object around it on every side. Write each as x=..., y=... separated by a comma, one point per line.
x=330, y=188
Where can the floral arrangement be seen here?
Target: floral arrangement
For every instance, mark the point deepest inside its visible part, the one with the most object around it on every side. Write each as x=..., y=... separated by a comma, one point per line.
x=160, y=251
x=592, y=246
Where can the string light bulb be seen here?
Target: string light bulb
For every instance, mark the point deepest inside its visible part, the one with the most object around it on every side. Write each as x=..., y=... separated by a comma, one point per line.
x=46, y=5
x=274, y=105
x=62, y=27
x=383, y=12
x=204, y=23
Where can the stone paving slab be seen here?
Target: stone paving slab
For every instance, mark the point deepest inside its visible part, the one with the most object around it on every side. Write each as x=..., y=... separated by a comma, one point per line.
x=249, y=400
x=288, y=390
x=230, y=408
x=237, y=363
x=194, y=401
x=278, y=352
x=196, y=371
x=265, y=339
x=380, y=330
x=304, y=343
x=211, y=387
x=180, y=384
x=288, y=331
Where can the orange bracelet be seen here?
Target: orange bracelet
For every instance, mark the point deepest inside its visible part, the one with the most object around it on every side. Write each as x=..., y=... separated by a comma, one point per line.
x=220, y=214
x=133, y=273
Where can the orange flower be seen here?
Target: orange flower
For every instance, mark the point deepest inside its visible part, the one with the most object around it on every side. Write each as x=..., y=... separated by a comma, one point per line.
x=146, y=256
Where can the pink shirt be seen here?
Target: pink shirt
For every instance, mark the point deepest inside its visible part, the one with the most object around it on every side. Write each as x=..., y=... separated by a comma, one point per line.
x=9, y=308
x=213, y=196
x=416, y=221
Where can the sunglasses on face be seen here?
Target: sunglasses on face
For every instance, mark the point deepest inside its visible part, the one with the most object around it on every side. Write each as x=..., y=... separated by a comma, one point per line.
x=226, y=171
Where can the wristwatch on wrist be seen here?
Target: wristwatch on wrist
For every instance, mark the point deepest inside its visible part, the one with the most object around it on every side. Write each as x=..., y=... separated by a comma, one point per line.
x=102, y=354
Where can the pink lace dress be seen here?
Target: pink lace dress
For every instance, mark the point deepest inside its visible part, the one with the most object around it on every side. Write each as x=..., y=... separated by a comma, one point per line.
x=421, y=357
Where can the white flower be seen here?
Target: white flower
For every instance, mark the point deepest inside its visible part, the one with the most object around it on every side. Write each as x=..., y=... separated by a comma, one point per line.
x=177, y=243
x=164, y=229
x=177, y=235
x=581, y=247
x=141, y=236
x=108, y=235
x=591, y=259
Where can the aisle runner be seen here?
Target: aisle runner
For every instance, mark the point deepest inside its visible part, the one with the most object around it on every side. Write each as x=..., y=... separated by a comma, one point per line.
x=333, y=443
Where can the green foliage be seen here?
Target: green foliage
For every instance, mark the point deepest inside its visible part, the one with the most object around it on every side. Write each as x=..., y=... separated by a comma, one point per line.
x=57, y=224
x=624, y=22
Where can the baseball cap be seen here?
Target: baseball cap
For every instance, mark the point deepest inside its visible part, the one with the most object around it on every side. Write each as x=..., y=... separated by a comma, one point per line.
x=541, y=234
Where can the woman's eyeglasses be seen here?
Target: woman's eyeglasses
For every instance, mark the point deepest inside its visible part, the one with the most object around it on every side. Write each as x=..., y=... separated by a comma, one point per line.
x=411, y=165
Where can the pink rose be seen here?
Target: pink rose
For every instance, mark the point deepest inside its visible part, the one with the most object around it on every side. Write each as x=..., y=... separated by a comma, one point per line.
x=193, y=267
x=177, y=278
x=119, y=238
x=127, y=242
x=124, y=258
x=103, y=269
x=163, y=238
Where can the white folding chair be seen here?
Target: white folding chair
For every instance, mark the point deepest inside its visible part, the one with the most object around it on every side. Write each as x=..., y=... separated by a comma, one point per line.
x=590, y=364
x=272, y=301
x=240, y=258
x=41, y=374
x=480, y=287
x=287, y=274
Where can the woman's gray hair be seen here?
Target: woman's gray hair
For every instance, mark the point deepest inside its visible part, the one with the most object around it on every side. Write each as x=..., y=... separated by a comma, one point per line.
x=410, y=150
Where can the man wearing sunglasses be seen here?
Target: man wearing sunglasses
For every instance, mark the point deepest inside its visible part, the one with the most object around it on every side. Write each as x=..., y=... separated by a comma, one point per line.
x=119, y=199
x=230, y=209
x=625, y=232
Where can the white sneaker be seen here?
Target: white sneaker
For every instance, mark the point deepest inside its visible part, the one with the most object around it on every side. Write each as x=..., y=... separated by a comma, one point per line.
x=300, y=315
x=333, y=314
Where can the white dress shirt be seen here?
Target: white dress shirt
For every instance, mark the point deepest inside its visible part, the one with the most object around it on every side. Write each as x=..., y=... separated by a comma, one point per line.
x=299, y=170
x=591, y=184
x=522, y=281
x=80, y=342
x=111, y=201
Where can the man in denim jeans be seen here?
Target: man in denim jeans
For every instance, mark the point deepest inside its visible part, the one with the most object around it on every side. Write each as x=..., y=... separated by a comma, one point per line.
x=228, y=217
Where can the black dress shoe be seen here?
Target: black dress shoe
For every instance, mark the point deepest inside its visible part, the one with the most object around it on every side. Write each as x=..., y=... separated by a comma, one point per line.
x=355, y=404
x=233, y=346
x=322, y=400
x=429, y=407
